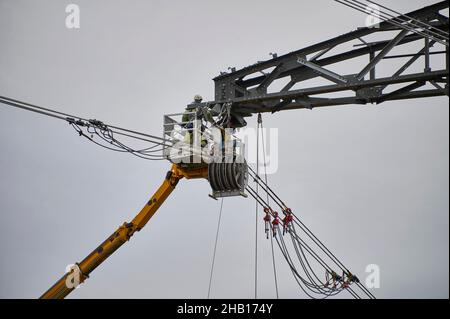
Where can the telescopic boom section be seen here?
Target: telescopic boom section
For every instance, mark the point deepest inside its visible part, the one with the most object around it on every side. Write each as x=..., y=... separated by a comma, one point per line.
x=63, y=286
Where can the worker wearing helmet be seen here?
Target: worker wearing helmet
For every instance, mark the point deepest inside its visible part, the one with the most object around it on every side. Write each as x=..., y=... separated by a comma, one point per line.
x=197, y=111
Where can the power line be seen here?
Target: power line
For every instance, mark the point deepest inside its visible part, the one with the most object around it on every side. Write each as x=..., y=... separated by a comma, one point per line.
x=304, y=284
x=107, y=136
x=24, y=107
x=425, y=25
x=393, y=20
x=256, y=209
x=215, y=248
x=268, y=201
x=312, y=283
x=396, y=21
x=65, y=116
x=88, y=128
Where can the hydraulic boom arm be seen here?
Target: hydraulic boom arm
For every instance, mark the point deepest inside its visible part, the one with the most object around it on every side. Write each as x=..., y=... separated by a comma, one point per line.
x=63, y=286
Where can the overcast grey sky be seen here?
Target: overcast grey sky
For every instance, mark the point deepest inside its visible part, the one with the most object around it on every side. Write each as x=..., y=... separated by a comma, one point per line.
x=370, y=181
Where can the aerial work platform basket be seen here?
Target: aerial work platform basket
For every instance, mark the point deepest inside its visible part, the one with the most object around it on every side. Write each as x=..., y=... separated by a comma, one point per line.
x=191, y=142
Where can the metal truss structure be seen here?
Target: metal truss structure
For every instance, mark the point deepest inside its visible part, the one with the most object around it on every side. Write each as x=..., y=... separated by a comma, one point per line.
x=250, y=89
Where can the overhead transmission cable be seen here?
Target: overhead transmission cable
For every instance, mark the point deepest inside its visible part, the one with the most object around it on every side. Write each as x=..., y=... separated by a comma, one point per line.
x=405, y=24
x=312, y=285
x=416, y=21
x=256, y=208
x=311, y=289
x=106, y=135
x=307, y=231
x=215, y=248
x=263, y=142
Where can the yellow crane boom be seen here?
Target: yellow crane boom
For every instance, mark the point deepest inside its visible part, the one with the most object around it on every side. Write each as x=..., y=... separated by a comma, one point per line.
x=61, y=288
